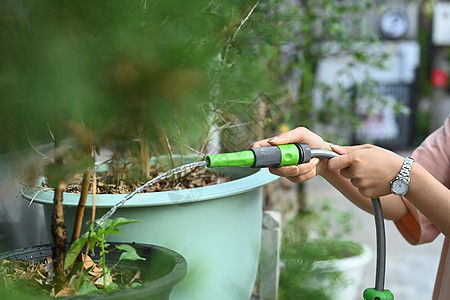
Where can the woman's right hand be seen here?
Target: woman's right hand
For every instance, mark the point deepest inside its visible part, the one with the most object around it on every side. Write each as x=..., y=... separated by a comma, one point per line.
x=302, y=172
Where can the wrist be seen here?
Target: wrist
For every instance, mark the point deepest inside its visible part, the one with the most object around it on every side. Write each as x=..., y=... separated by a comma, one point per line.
x=400, y=185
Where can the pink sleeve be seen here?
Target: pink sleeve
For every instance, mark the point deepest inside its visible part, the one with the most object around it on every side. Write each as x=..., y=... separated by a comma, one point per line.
x=434, y=155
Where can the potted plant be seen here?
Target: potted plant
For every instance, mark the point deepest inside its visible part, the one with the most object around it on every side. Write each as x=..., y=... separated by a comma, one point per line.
x=320, y=260
x=217, y=228
x=145, y=78
x=136, y=78
x=140, y=271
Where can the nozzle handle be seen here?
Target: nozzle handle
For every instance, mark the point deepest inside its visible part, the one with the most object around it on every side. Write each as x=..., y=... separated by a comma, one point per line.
x=281, y=155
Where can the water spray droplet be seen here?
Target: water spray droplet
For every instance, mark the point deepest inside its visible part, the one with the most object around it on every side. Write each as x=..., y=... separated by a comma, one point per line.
x=163, y=176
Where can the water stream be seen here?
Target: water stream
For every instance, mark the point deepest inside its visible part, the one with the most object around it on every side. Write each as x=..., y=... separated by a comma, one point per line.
x=163, y=176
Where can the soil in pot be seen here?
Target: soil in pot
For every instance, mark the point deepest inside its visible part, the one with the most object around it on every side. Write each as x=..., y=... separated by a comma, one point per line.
x=109, y=182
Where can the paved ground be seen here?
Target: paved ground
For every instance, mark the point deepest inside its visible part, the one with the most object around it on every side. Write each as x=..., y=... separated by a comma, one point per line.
x=410, y=270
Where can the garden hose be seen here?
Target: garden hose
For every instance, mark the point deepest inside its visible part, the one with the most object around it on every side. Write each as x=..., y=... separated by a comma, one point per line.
x=294, y=154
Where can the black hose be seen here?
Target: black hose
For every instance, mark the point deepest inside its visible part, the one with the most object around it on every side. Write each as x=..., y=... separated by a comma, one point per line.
x=381, y=244
x=379, y=227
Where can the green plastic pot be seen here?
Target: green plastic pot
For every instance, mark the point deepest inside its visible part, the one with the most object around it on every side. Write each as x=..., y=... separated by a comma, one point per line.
x=161, y=270
x=216, y=228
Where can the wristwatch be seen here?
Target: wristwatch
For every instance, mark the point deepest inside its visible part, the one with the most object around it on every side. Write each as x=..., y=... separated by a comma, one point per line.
x=400, y=184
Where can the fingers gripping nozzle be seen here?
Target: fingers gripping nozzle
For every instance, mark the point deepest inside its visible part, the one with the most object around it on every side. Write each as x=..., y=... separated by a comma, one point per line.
x=263, y=157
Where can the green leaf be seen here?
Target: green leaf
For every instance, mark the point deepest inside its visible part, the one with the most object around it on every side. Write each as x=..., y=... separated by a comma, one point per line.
x=136, y=284
x=87, y=288
x=111, y=287
x=92, y=240
x=76, y=268
x=122, y=221
x=73, y=252
x=106, y=223
x=129, y=254
x=110, y=226
x=106, y=231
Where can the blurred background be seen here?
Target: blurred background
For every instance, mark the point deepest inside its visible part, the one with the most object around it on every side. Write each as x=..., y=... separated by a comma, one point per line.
x=352, y=71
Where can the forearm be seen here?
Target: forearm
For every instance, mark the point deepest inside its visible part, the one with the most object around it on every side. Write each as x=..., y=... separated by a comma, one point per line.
x=364, y=171
x=393, y=206
x=430, y=197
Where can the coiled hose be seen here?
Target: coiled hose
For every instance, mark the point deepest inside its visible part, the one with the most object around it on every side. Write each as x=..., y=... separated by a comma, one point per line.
x=379, y=227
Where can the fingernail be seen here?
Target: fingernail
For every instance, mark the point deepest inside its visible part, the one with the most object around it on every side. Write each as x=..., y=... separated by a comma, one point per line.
x=293, y=171
x=315, y=161
x=273, y=139
x=335, y=147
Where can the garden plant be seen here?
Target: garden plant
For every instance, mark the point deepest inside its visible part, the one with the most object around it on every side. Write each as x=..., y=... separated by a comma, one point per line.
x=148, y=78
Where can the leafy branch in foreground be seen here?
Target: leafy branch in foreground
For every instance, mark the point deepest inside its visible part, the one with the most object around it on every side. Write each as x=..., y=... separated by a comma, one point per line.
x=102, y=273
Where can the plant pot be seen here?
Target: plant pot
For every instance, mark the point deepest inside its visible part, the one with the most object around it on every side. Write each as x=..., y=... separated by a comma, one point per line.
x=216, y=228
x=351, y=268
x=162, y=269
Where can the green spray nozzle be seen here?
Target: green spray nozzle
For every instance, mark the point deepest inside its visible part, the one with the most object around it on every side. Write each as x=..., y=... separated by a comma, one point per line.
x=262, y=157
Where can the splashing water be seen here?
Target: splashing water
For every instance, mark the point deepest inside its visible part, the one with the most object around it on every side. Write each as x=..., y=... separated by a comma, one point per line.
x=163, y=176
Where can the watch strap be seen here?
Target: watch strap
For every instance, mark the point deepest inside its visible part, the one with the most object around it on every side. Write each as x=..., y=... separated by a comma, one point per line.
x=406, y=167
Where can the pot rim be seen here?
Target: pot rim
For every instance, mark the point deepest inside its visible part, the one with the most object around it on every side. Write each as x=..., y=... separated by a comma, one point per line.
x=347, y=263
x=242, y=185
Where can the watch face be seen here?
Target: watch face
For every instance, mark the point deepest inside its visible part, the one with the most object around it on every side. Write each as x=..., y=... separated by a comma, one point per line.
x=393, y=24
x=400, y=187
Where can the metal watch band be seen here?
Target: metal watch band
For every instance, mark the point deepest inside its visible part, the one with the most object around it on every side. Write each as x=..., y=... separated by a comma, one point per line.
x=406, y=167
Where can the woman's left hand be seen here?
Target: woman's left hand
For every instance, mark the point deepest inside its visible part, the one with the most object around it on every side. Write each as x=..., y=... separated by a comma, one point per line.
x=369, y=168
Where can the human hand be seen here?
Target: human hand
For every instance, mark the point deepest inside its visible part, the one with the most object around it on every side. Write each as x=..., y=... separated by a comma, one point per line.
x=302, y=172
x=369, y=168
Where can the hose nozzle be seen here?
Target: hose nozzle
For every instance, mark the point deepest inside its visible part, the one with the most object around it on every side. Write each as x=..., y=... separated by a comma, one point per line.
x=262, y=157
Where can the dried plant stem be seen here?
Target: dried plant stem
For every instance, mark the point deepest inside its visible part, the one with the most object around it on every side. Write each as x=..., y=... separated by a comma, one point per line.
x=172, y=160
x=50, y=132
x=145, y=158
x=39, y=152
x=245, y=20
x=35, y=195
x=190, y=148
x=233, y=38
x=94, y=193
x=59, y=236
x=181, y=148
x=81, y=206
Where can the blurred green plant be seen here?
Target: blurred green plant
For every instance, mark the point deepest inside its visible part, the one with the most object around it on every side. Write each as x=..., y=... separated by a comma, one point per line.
x=126, y=75
x=138, y=76
x=300, y=34
x=87, y=74
x=320, y=235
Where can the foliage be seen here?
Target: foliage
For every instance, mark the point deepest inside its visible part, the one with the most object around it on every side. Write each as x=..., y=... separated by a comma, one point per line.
x=126, y=75
x=132, y=75
x=137, y=76
x=304, y=33
x=30, y=278
x=316, y=236
x=98, y=239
